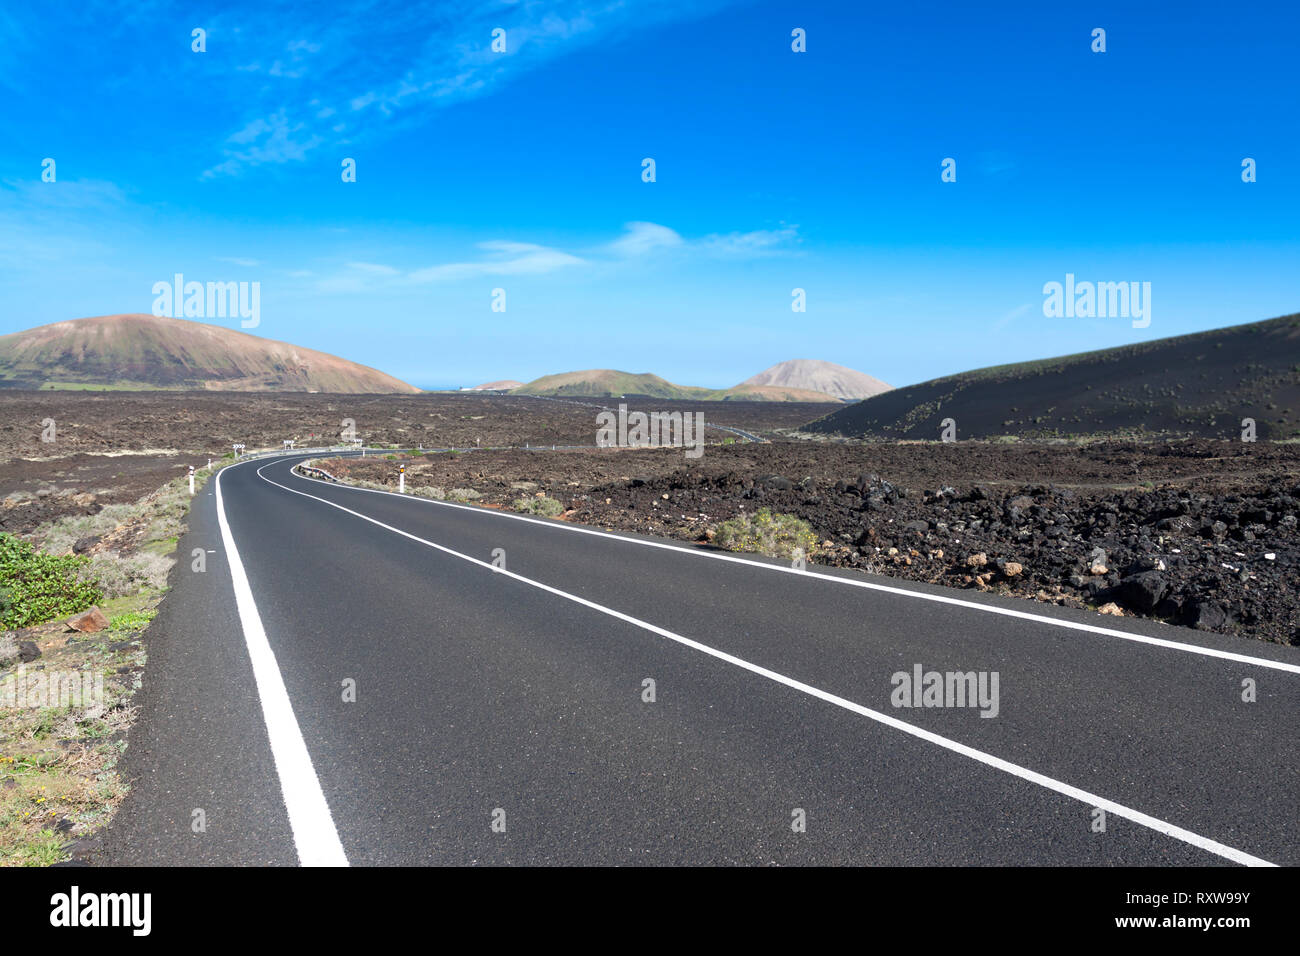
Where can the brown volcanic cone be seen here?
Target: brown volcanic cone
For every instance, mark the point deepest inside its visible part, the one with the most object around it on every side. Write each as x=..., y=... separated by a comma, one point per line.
x=147, y=351
x=811, y=375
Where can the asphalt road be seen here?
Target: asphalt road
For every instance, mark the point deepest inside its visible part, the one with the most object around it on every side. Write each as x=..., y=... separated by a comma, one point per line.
x=500, y=712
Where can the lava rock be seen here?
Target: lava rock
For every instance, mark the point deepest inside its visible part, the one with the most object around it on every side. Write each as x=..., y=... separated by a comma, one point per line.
x=1204, y=614
x=1143, y=590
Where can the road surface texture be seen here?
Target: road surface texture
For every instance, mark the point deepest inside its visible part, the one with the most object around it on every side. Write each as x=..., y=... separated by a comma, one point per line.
x=501, y=713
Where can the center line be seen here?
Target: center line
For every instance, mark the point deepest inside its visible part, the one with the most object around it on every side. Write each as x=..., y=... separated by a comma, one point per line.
x=1024, y=773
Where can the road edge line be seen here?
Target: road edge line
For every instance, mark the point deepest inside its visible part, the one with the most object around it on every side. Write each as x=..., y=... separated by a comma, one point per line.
x=314, y=835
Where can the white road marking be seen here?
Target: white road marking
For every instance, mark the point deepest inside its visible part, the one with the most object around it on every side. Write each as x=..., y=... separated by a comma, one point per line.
x=1024, y=773
x=868, y=585
x=314, y=834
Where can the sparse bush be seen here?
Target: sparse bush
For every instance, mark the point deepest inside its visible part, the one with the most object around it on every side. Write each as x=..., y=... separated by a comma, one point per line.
x=37, y=587
x=166, y=511
x=547, y=507
x=119, y=575
x=773, y=534
x=430, y=491
x=367, y=483
x=59, y=536
x=465, y=494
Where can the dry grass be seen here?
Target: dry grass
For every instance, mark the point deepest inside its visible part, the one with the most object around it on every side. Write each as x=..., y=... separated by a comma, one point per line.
x=57, y=777
x=58, y=780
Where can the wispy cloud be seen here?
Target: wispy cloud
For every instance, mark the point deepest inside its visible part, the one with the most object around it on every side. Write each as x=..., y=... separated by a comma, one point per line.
x=239, y=261
x=35, y=195
x=352, y=74
x=273, y=139
x=643, y=238
x=640, y=241
x=504, y=259
x=751, y=245
x=646, y=238
x=373, y=268
x=1008, y=317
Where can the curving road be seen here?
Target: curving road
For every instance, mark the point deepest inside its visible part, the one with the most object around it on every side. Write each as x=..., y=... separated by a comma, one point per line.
x=501, y=713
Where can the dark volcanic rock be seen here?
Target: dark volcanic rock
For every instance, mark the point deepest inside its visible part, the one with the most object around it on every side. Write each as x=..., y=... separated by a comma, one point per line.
x=1205, y=614
x=1142, y=591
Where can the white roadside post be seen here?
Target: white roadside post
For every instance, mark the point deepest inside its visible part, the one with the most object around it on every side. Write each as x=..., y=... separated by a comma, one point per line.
x=401, y=479
x=191, y=479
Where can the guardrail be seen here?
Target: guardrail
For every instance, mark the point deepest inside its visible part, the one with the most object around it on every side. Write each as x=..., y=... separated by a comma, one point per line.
x=281, y=452
x=309, y=471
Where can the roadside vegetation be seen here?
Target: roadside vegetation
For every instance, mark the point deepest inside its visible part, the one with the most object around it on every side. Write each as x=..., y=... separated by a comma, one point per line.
x=65, y=696
x=546, y=507
x=36, y=587
x=766, y=532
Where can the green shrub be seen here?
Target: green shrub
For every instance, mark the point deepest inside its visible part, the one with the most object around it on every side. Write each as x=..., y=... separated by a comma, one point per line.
x=465, y=494
x=548, y=507
x=36, y=587
x=775, y=535
x=132, y=620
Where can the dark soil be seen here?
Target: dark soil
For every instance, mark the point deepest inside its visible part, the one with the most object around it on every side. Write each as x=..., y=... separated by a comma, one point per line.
x=209, y=423
x=114, y=447
x=34, y=492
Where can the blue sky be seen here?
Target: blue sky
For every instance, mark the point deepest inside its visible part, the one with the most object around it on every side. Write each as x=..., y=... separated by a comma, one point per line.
x=775, y=170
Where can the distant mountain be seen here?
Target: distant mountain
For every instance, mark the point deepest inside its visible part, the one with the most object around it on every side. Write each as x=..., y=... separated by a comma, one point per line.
x=147, y=352
x=504, y=385
x=1202, y=384
x=811, y=375
x=769, y=393
x=609, y=383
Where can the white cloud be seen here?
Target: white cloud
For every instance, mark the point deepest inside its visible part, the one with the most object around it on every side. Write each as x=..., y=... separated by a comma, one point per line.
x=239, y=261
x=506, y=258
x=373, y=59
x=272, y=139
x=750, y=245
x=642, y=238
